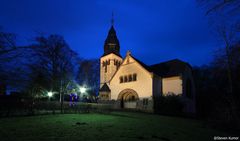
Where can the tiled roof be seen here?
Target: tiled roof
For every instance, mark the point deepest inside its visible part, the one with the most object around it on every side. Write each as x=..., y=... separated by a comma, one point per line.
x=168, y=68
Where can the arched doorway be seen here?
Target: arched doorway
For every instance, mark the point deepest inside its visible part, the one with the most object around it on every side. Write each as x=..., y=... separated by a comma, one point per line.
x=128, y=98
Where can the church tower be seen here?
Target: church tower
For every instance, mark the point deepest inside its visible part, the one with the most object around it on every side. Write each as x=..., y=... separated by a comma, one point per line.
x=110, y=62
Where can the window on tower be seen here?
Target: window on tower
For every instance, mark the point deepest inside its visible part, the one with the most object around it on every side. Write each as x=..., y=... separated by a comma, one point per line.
x=105, y=68
x=121, y=79
x=117, y=66
x=103, y=64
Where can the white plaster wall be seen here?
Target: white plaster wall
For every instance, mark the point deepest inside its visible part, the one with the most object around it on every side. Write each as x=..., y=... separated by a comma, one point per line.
x=143, y=85
x=172, y=85
x=111, y=69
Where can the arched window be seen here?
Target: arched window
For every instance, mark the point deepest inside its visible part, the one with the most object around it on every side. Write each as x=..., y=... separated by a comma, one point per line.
x=121, y=79
x=134, y=77
x=125, y=79
x=103, y=64
x=118, y=64
x=130, y=78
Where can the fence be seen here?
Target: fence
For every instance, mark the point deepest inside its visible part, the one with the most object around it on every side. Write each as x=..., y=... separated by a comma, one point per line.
x=25, y=108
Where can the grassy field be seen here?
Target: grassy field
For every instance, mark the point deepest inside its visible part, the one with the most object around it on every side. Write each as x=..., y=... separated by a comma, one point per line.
x=100, y=127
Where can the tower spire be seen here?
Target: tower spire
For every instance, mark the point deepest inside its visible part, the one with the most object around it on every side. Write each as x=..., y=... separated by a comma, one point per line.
x=112, y=19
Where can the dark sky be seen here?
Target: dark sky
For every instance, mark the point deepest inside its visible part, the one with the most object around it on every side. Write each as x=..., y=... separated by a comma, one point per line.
x=153, y=30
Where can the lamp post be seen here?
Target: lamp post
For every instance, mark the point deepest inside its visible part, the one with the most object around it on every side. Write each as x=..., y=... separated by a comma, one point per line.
x=82, y=90
x=50, y=94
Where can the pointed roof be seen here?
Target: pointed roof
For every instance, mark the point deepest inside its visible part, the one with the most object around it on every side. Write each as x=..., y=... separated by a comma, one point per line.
x=111, y=44
x=105, y=88
x=112, y=36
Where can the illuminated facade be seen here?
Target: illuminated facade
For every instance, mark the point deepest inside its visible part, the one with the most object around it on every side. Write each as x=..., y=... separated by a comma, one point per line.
x=133, y=84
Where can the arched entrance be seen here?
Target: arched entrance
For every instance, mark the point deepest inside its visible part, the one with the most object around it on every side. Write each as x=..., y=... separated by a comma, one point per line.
x=128, y=98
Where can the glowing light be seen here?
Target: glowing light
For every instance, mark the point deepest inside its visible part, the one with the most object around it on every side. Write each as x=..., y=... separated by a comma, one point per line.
x=83, y=89
x=50, y=94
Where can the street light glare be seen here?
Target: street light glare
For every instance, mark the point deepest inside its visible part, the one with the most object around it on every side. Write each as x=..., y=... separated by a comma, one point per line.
x=83, y=89
x=50, y=94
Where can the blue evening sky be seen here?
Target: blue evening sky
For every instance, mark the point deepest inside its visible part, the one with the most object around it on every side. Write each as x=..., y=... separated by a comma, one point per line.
x=153, y=30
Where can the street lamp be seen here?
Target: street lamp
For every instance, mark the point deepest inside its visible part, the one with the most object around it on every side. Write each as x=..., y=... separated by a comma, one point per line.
x=83, y=89
x=50, y=94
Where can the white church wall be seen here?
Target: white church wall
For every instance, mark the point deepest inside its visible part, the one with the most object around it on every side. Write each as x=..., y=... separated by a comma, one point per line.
x=143, y=84
x=111, y=68
x=172, y=85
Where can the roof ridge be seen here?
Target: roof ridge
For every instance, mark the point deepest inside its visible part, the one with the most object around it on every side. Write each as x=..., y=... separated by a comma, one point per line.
x=141, y=63
x=176, y=59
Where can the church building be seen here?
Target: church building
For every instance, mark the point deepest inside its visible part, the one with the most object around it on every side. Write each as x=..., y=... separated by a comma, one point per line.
x=133, y=84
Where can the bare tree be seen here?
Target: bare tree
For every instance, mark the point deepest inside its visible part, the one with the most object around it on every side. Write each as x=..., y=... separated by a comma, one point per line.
x=7, y=43
x=228, y=36
x=223, y=16
x=212, y=6
x=54, y=63
x=88, y=74
x=8, y=48
x=10, y=60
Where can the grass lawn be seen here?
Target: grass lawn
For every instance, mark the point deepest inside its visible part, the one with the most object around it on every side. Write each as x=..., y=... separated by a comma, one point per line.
x=100, y=127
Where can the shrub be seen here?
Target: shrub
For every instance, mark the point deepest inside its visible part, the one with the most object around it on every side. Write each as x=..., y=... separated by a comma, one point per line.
x=169, y=105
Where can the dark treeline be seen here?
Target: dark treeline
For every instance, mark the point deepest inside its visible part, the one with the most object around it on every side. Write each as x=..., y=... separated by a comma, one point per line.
x=218, y=83
x=47, y=64
x=215, y=101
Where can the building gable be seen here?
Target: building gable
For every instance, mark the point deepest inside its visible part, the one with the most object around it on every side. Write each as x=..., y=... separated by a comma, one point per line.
x=133, y=75
x=128, y=60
